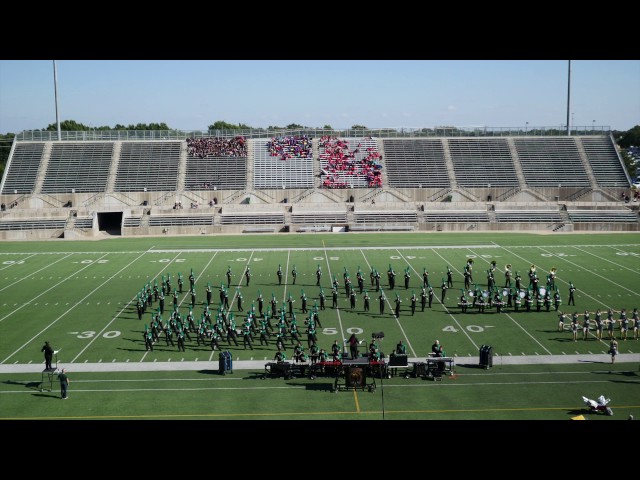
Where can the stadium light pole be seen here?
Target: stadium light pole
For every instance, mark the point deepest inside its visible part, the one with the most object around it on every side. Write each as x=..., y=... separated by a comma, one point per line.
x=569, y=99
x=55, y=89
x=593, y=128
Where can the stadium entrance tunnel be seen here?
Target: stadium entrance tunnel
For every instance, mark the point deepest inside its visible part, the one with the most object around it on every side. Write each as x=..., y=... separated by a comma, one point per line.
x=110, y=222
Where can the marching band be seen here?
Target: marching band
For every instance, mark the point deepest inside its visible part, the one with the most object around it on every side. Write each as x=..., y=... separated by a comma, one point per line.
x=214, y=327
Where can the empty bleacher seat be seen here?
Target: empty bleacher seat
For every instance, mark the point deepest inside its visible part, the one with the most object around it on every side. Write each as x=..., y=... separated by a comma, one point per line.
x=551, y=161
x=414, y=163
x=33, y=224
x=180, y=220
x=604, y=162
x=151, y=165
x=79, y=166
x=23, y=167
x=527, y=216
x=478, y=162
x=603, y=216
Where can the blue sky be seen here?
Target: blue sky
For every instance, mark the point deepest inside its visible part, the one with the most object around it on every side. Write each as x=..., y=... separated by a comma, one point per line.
x=192, y=94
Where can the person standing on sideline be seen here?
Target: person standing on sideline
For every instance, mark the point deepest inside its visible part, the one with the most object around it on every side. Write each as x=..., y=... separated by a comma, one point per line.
x=48, y=355
x=64, y=383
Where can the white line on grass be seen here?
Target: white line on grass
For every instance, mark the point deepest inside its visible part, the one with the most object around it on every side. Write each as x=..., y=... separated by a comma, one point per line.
x=596, y=274
x=15, y=263
x=337, y=309
x=237, y=286
x=509, y=316
x=560, y=280
x=71, y=308
x=27, y=276
x=634, y=270
x=311, y=249
x=123, y=308
x=50, y=288
x=454, y=318
x=394, y=316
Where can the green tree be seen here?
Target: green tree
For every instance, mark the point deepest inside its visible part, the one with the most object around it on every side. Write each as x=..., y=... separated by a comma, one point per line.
x=67, y=126
x=629, y=138
x=222, y=125
x=358, y=127
x=295, y=126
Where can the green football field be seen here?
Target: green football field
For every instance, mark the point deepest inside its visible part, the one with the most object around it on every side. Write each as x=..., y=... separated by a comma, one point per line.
x=81, y=296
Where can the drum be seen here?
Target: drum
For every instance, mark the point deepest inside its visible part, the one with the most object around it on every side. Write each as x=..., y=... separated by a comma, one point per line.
x=472, y=293
x=522, y=294
x=485, y=294
x=542, y=291
x=505, y=292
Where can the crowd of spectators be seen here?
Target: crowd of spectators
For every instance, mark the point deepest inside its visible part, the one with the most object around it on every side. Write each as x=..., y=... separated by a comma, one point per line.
x=342, y=161
x=217, y=147
x=287, y=147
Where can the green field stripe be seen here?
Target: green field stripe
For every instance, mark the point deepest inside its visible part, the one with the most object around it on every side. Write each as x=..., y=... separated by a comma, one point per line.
x=24, y=277
x=123, y=308
x=450, y=314
x=593, y=273
x=633, y=270
x=47, y=290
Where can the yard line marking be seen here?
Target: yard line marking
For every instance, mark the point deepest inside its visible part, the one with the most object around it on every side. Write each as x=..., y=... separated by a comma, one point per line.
x=509, y=316
x=337, y=309
x=50, y=288
x=391, y=308
x=464, y=330
x=557, y=278
x=634, y=270
x=311, y=249
x=286, y=276
x=47, y=266
x=71, y=308
x=13, y=264
x=123, y=308
x=596, y=274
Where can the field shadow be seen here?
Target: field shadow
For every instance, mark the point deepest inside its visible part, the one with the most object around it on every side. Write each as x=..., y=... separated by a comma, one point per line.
x=314, y=386
x=627, y=373
x=581, y=411
x=29, y=384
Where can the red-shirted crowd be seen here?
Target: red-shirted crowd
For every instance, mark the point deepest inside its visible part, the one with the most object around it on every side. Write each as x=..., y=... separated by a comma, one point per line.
x=341, y=160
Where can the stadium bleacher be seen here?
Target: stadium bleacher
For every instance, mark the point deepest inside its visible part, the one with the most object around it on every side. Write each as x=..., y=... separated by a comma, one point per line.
x=478, y=162
x=148, y=165
x=447, y=175
x=78, y=166
x=21, y=176
x=550, y=161
x=413, y=163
